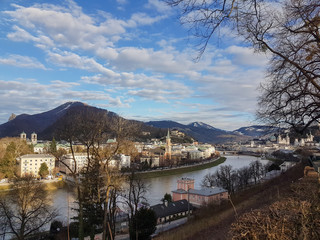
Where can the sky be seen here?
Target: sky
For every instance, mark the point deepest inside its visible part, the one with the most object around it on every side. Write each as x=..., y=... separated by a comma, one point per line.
x=130, y=57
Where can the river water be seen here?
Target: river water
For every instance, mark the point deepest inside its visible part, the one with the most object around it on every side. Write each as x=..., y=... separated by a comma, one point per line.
x=161, y=185
x=62, y=199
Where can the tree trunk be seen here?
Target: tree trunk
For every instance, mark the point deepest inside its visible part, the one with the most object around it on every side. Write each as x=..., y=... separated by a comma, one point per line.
x=81, y=232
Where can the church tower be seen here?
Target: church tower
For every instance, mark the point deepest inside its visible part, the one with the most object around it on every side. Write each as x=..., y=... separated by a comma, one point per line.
x=168, y=147
x=23, y=136
x=34, y=138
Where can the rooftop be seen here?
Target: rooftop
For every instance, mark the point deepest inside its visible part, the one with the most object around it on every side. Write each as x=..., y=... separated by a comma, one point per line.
x=203, y=191
x=162, y=210
x=36, y=156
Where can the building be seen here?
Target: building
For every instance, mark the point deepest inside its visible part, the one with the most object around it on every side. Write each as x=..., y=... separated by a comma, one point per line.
x=75, y=164
x=283, y=141
x=29, y=164
x=198, y=197
x=34, y=138
x=120, y=161
x=169, y=211
x=207, y=149
x=40, y=148
x=23, y=136
x=167, y=154
x=152, y=161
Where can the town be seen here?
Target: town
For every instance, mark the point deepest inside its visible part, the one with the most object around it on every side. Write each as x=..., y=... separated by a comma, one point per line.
x=63, y=162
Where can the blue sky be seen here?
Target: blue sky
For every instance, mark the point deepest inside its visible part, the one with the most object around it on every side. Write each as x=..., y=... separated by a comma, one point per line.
x=130, y=57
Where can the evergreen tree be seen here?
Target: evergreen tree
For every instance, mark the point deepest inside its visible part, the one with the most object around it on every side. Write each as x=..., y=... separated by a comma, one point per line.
x=167, y=197
x=143, y=224
x=53, y=146
x=43, y=171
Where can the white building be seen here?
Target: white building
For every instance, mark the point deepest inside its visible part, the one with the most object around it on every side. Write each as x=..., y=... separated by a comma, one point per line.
x=153, y=161
x=23, y=136
x=283, y=141
x=207, y=150
x=40, y=148
x=78, y=162
x=34, y=138
x=30, y=164
x=120, y=161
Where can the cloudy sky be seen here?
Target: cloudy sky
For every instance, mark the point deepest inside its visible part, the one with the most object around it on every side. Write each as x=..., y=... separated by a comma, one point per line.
x=130, y=57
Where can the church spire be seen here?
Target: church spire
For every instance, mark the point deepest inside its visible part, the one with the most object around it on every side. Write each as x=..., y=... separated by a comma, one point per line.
x=168, y=146
x=168, y=134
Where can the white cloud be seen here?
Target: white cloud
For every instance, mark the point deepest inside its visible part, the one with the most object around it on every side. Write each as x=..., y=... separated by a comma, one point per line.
x=70, y=27
x=69, y=59
x=144, y=86
x=215, y=116
x=22, y=62
x=160, y=6
x=29, y=96
x=122, y=2
x=247, y=56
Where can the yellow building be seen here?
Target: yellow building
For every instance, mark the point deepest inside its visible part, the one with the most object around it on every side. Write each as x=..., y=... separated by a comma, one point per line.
x=29, y=164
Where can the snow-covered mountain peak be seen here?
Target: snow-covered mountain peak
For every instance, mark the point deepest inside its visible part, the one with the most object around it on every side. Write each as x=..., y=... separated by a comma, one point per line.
x=201, y=125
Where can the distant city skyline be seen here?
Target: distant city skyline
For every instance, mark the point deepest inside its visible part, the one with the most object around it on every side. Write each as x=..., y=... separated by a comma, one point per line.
x=130, y=57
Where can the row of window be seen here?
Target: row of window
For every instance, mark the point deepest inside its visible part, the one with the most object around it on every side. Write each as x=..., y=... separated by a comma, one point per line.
x=26, y=164
x=41, y=160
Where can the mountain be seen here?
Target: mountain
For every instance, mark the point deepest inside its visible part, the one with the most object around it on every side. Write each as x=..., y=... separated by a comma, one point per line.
x=257, y=131
x=36, y=122
x=47, y=123
x=200, y=131
x=203, y=125
x=166, y=124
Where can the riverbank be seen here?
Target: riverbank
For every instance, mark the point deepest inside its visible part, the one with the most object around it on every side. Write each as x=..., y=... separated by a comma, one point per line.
x=49, y=185
x=180, y=170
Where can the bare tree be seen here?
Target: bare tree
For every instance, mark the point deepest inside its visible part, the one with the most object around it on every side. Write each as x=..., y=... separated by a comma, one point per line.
x=134, y=196
x=92, y=127
x=257, y=170
x=244, y=175
x=289, y=31
x=27, y=209
x=224, y=177
x=209, y=180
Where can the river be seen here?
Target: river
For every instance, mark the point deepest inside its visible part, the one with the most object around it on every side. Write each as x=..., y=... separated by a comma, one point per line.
x=157, y=187
x=161, y=185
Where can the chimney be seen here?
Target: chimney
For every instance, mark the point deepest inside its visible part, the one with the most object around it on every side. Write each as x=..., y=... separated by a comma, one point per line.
x=166, y=203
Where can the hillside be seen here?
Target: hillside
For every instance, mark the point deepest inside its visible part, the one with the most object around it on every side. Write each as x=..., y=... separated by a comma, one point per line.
x=214, y=222
x=256, y=131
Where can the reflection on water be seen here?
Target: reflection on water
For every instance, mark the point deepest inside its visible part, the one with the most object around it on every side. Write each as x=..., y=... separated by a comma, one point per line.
x=62, y=200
